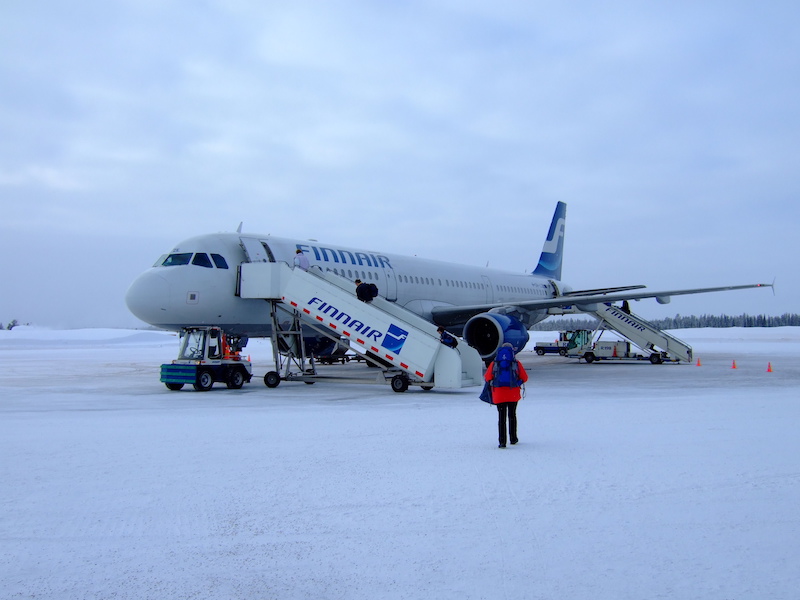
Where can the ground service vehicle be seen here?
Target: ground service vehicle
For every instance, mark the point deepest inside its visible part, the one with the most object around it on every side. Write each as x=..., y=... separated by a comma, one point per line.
x=566, y=341
x=207, y=355
x=620, y=350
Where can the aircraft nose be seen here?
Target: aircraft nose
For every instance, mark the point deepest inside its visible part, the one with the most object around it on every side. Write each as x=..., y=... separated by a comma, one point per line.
x=148, y=298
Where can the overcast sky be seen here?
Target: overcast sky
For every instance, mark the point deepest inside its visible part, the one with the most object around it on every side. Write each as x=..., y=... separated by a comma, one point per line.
x=444, y=129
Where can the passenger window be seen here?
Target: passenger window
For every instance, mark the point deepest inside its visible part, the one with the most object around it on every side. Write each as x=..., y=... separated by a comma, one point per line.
x=201, y=260
x=219, y=261
x=174, y=260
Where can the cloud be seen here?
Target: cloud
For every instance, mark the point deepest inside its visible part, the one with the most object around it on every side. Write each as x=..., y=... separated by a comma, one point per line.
x=441, y=128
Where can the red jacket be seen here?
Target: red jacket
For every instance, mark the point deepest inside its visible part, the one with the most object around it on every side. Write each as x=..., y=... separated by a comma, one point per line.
x=506, y=394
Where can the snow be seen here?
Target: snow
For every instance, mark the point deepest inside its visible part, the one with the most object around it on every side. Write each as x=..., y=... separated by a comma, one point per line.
x=630, y=480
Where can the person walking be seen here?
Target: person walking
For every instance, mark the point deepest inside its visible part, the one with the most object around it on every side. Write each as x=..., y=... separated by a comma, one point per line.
x=365, y=291
x=446, y=338
x=506, y=375
x=300, y=259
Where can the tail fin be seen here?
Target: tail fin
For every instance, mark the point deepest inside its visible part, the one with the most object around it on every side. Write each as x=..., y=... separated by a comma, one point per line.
x=550, y=259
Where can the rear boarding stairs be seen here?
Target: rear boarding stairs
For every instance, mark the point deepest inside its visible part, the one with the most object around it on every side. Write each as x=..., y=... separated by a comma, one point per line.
x=406, y=346
x=644, y=334
x=659, y=345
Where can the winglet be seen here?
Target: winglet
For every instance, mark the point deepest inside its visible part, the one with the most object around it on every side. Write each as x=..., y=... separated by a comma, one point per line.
x=550, y=259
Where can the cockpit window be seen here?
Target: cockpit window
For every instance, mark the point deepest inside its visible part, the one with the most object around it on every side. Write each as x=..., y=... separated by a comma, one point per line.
x=174, y=260
x=219, y=261
x=201, y=260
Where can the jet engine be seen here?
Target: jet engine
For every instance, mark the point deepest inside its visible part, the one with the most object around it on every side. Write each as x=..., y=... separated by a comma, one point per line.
x=488, y=331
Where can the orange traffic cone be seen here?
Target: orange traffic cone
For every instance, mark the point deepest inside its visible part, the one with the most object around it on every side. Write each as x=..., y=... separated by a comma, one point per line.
x=615, y=352
x=769, y=367
x=698, y=363
x=733, y=366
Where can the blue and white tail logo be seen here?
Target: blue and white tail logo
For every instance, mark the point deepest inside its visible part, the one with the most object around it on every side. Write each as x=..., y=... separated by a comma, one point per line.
x=394, y=339
x=550, y=260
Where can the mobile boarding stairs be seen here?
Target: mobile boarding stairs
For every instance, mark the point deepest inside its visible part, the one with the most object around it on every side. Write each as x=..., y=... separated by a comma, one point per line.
x=407, y=346
x=660, y=345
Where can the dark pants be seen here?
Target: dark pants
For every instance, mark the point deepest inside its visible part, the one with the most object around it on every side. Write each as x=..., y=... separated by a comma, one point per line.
x=507, y=410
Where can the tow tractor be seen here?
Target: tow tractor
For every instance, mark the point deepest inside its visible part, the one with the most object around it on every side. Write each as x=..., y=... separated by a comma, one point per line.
x=207, y=355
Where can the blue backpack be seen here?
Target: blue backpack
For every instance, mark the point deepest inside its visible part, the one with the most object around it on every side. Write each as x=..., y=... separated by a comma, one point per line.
x=505, y=371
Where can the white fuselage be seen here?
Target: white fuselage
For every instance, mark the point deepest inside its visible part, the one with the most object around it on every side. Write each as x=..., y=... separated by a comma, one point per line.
x=192, y=286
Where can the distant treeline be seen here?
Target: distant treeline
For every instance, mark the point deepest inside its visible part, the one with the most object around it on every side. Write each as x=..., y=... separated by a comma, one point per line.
x=676, y=322
x=679, y=322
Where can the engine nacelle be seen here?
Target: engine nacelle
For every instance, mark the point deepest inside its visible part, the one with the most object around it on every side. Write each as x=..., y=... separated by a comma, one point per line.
x=486, y=332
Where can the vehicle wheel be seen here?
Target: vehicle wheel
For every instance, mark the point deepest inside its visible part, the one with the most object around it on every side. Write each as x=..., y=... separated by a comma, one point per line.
x=426, y=388
x=655, y=358
x=399, y=383
x=588, y=357
x=272, y=379
x=563, y=352
x=540, y=352
x=174, y=386
x=236, y=380
x=204, y=381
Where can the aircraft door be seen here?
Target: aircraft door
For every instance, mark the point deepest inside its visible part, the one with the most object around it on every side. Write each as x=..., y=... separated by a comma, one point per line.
x=256, y=250
x=390, y=293
x=488, y=287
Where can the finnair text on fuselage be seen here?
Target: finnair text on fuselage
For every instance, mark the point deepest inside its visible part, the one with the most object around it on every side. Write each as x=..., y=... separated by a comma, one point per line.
x=347, y=257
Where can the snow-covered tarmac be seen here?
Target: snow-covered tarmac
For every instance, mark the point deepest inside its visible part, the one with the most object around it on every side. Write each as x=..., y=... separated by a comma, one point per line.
x=630, y=480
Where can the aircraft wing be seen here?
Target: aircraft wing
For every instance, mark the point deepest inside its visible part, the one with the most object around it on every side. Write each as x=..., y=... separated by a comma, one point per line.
x=583, y=301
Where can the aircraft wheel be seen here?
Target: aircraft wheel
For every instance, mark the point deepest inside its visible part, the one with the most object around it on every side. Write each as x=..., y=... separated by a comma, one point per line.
x=399, y=383
x=272, y=379
x=588, y=357
x=236, y=380
x=204, y=381
x=174, y=386
x=655, y=358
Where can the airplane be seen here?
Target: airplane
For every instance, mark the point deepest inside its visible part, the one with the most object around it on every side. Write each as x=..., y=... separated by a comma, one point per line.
x=196, y=284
